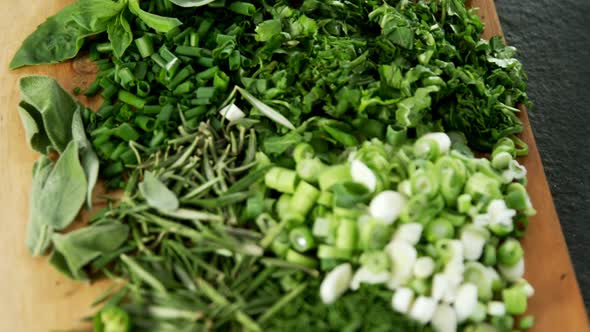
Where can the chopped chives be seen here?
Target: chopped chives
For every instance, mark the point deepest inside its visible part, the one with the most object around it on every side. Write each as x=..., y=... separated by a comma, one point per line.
x=142, y=89
x=145, y=46
x=184, y=88
x=146, y=123
x=205, y=92
x=242, y=8
x=206, y=62
x=131, y=99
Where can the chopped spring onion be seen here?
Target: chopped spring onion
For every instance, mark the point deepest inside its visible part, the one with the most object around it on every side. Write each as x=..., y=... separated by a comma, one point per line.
x=402, y=300
x=363, y=174
x=410, y=232
x=301, y=239
x=496, y=308
x=466, y=301
x=444, y=319
x=515, y=299
x=336, y=283
x=423, y=309
x=387, y=206
x=512, y=273
x=510, y=252
x=304, y=198
x=367, y=276
x=474, y=239
x=232, y=112
x=281, y=179
x=403, y=257
x=424, y=267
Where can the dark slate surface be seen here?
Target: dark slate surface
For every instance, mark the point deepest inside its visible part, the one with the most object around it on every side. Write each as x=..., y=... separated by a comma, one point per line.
x=553, y=38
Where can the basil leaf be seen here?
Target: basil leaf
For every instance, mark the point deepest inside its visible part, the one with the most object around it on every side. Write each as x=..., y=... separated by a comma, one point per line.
x=78, y=248
x=56, y=197
x=191, y=3
x=120, y=35
x=157, y=194
x=88, y=157
x=96, y=15
x=59, y=38
x=46, y=111
x=159, y=23
x=277, y=145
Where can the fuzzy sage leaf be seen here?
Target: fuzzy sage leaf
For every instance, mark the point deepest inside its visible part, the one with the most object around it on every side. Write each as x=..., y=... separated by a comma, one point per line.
x=46, y=111
x=88, y=157
x=57, y=194
x=157, y=194
x=78, y=248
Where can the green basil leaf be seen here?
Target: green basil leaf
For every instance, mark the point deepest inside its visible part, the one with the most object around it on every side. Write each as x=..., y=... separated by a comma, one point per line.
x=157, y=194
x=191, y=3
x=120, y=35
x=59, y=38
x=277, y=145
x=96, y=15
x=159, y=23
x=80, y=247
x=46, y=110
x=88, y=157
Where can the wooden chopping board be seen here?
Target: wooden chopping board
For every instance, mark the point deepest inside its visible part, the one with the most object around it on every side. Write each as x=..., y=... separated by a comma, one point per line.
x=34, y=297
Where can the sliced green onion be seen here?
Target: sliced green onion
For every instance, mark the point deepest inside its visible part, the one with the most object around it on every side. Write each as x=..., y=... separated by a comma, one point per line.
x=526, y=322
x=304, y=198
x=330, y=252
x=301, y=239
x=374, y=234
x=515, y=299
x=322, y=227
x=347, y=234
x=510, y=252
x=297, y=258
x=281, y=179
x=438, y=229
x=335, y=283
x=131, y=99
x=242, y=8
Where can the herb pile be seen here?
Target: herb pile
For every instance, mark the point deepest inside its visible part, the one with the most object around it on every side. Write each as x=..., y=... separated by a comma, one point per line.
x=284, y=165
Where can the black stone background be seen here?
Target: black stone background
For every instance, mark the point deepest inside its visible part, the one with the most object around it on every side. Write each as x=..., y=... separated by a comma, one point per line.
x=553, y=39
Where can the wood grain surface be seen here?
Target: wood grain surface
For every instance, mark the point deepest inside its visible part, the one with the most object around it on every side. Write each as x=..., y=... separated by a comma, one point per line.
x=36, y=298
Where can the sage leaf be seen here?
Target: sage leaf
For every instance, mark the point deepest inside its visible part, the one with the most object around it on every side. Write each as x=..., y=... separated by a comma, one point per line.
x=120, y=35
x=38, y=232
x=59, y=38
x=159, y=23
x=156, y=194
x=96, y=15
x=57, y=194
x=88, y=157
x=46, y=111
x=191, y=3
x=80, y=247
